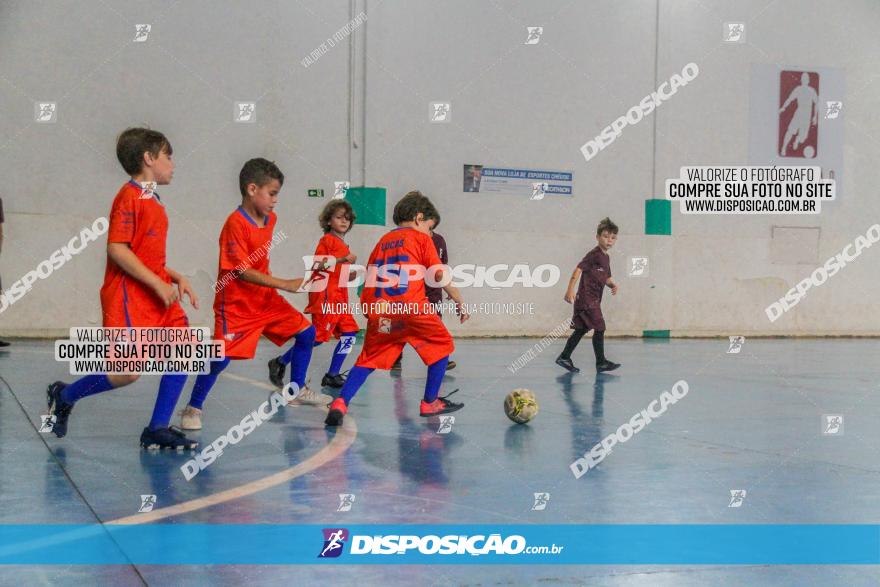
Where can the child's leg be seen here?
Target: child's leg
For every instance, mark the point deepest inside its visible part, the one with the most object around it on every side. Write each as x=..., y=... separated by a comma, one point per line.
x=169, y=392
x=299, y=355
x=573, y=341
x=435, y=379
x=204, y=383
x=343, y=348
x=599, y=345
x=86, y=386
x=356, y=378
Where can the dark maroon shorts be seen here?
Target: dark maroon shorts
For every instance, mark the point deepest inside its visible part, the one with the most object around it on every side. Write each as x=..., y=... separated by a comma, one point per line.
x=589, y=318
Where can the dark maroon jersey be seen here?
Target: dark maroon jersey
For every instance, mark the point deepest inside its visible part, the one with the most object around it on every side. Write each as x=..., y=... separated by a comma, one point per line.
x=595, y=270
x=435, y=294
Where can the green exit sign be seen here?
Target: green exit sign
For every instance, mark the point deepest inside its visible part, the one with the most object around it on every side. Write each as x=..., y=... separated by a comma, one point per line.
x=316, y=193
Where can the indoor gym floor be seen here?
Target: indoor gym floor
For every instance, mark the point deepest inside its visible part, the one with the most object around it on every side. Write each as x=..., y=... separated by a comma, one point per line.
x=750, y=421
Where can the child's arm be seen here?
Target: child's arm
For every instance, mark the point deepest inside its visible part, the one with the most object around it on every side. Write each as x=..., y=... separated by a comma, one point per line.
x=613, y=285
x=123, y=256
x=572, y=285
x=183, y=287
x=260, y=278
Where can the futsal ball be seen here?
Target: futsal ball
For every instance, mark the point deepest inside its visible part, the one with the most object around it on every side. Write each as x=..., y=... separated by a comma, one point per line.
x=520, y=405
x=809, y=152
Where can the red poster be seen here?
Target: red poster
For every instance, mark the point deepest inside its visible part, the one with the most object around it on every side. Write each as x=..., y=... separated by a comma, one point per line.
x=798, y=114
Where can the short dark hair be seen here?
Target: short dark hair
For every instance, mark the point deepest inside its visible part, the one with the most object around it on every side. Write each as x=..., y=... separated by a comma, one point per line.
x=409, y=207
x=606, y=224
x=132, y=143
x=330, y=210
x=259, y=171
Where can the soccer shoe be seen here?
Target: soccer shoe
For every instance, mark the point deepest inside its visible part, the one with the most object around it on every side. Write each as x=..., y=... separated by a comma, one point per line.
x=3, y=343
x=567, y=364
x=450, y=366
x=606, y=365
x=276, y=372
x=170, y=438
x=190, y=418
x=58, y=408
x=335, y=381
x=441, y=405
x=337, y=411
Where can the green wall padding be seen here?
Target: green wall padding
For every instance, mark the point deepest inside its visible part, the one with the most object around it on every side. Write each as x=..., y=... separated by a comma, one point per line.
x=368, y=204
x=658, y=217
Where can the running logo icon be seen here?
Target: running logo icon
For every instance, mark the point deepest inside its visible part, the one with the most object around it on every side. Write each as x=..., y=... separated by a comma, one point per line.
x=534, y=35
x=47, y=423
x=446, y=423
x=440, y=112
x=147, y=503
x=538, y=191
x=737, y=497
x=832, y=109
x=734, y=32
x=141, y=32
x=45, y=111
x=832, y=424
x=340, y=188
x=347, y=343
x=638, y=266
x=736, y=343
x=245, y=112
x=346, y=500
x=541, y=501
x=334, y=540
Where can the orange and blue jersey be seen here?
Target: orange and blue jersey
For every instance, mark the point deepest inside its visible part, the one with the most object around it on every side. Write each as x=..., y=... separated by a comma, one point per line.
x=335, y=293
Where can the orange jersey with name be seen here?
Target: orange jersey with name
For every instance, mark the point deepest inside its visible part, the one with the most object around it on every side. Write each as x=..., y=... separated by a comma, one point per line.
x=397, y=250
x=137, y=218
x=244, y=244
x=330, y=245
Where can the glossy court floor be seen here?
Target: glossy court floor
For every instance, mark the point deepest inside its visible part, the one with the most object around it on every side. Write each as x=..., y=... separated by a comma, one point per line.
x=750, y=421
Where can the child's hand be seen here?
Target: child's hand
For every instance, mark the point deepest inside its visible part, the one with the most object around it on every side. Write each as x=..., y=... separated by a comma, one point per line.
x=166, y=292
x=569, y=297
x=613, y=287
x=463, y=316
x=185, y=288
x=351, y=258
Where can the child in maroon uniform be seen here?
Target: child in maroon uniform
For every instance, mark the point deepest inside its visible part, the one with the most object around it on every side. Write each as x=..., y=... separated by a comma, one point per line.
x=594, y=273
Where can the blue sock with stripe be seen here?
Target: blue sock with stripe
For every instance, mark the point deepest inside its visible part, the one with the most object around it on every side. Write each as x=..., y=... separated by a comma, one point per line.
x=299, y=355
x=205, y=381
x=84, y=387
x=356, y=378
x=343, y=348
x=166, y=400
x=435, y=379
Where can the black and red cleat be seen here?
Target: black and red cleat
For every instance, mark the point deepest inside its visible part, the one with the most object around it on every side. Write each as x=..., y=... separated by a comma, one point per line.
x=441, y=405
x=337, y=412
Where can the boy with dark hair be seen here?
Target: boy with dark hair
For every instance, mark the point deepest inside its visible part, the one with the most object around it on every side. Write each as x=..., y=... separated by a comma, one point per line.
x=246, y=303
x=336, y=220
x=592, y=274
x=137, y=290
x=398, y=312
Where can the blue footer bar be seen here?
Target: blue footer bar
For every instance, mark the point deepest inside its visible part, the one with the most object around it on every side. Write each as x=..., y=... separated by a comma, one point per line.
x=255, y=544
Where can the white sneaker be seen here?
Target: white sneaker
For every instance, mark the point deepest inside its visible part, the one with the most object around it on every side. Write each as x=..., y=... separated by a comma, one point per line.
x=191, y=418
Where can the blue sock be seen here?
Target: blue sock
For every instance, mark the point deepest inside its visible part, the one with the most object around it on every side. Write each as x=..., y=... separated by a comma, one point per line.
x=205, y=382
x=435, y=378
x=299, y=355
x=84, y=387
x=169, y=391
x=346, y=342
x=356, y=378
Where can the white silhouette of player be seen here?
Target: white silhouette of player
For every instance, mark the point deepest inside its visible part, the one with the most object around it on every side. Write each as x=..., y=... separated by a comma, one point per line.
x=807, y=109
x=335, y=542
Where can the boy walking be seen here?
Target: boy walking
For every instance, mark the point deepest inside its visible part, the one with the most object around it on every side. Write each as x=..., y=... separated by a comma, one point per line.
x=138, y=290
x=591, y=275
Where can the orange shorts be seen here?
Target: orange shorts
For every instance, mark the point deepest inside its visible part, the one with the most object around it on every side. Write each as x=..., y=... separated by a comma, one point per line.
x=279, y=323
x=172, y=317
x=387, y=335
x=333, y=325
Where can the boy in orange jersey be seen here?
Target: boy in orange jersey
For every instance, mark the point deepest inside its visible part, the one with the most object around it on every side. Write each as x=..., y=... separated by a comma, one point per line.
x=398, y=310
x=139, y=289
x=328, y=307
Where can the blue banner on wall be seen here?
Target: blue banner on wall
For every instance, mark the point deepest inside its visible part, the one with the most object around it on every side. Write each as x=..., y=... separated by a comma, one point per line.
x=534, y=183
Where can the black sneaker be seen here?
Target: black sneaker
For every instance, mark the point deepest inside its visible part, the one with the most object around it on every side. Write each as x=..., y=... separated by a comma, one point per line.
x=166, y=438
x=450, y=365
x=58, y=408
x=337, y=412
x=441, y=405
x=3, y=343
x=567, y=364
x=605, y=366
x=334, y=381
x=276, y=372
